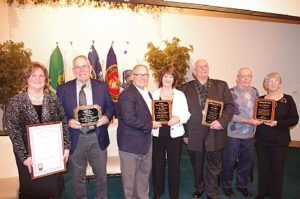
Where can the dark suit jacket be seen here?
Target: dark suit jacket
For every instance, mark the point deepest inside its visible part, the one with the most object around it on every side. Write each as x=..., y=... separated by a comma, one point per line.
x=68, y=97
x=201, y=138
x=135, y=122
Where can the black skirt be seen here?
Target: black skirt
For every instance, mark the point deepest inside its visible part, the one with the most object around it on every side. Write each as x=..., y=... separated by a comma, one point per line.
x=45, y=187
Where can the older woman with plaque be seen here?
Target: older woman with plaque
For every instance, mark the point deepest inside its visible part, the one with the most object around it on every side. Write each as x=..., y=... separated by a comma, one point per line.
x=35, y=106
x=273, y=137
x=169, y=107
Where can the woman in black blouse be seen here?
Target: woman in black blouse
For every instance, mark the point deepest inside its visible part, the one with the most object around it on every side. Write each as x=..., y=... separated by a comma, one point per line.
x=272, y=139
x=35, y=106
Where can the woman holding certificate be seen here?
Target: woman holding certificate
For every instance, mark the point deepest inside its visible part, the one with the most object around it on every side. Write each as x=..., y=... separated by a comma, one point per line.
x=167, y=140
x=35, y=106
x=272, y=139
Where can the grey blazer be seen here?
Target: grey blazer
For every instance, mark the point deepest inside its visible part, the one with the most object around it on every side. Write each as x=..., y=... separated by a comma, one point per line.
x=202, y=138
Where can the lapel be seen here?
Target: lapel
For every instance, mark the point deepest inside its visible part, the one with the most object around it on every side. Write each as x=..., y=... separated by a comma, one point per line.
x=212, y=90
x=194, y=95
x=140, y=97
x=45, y=108
x=71, y=97
x=72, y=92
x=95, y=92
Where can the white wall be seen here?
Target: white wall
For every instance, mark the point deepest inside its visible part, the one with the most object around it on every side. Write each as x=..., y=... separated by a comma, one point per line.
x=227, y=43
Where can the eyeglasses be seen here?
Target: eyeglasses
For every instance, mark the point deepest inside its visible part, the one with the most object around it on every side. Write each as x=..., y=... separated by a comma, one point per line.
x=81, y=67
x=141, y=75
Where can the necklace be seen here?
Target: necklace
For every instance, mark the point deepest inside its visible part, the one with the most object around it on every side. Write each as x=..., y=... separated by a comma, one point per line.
x=36, y=98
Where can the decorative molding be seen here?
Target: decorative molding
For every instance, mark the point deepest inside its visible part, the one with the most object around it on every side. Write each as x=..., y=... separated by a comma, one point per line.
x=210, y=8
x=156, y=6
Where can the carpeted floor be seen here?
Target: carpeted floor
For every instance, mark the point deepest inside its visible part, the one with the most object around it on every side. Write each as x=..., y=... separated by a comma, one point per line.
x=291, y=189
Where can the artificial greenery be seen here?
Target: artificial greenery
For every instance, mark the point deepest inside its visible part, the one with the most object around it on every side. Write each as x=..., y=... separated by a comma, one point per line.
x=174, y=54
x=14, y=58
x=111, y=4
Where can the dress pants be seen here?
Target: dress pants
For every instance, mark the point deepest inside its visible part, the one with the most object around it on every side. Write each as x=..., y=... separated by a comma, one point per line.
x=271, y=161
x=88, y=149
x=240, y=150
x=207, y=167
x=162, y=146
x=135, y=170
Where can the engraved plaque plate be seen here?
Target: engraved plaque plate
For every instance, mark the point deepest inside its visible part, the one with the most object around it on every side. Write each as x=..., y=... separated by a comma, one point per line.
x=264, y=109
x=88, y=115
x=212, y=111
x=161, y=111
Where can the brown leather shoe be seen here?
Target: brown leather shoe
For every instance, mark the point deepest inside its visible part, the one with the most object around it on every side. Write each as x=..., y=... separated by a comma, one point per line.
x=245, y=192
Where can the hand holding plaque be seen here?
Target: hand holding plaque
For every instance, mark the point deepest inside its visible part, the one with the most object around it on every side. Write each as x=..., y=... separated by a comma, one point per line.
x=161, y=111
x=264, y=110
x=88, y=115
x=212, y=111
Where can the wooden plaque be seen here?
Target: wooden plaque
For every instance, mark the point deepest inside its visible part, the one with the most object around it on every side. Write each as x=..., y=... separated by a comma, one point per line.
x=88, y=115
x=212, y=111
x=264, y=109
x=161, y=111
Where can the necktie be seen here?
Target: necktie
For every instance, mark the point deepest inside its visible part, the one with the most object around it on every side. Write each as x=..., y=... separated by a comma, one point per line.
x=82, y=101
x=82, y=97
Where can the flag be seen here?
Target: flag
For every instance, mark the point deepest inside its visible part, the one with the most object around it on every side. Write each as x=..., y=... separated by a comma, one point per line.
x=69, y=55
x=94, y=61
x=56, y=69
x=112, y=75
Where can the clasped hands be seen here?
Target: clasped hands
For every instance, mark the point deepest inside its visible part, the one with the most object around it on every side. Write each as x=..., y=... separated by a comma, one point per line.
x=255, y=122
x=173, y=121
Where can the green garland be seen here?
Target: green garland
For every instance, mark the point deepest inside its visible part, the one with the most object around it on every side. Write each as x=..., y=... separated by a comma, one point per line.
x=96, y=3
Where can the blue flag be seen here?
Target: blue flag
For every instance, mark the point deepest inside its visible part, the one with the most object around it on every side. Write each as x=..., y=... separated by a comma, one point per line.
x=94, y=60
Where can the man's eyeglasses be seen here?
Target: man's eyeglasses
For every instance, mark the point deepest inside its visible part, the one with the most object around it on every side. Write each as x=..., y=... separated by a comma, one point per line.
x=81, y=67
x=141, y=75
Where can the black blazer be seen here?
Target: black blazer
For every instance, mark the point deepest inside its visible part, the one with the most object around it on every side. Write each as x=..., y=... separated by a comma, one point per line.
x=135, y=122
x=202, y=138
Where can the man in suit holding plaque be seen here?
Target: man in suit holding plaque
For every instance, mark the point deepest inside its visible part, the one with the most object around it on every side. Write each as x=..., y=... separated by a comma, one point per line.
x=134, y=135
x=206, y=142
x=88, y=143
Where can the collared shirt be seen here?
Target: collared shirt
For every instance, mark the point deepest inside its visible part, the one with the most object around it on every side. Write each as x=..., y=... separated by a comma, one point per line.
x=202, y=91
x=87, y=90
x=146, y=95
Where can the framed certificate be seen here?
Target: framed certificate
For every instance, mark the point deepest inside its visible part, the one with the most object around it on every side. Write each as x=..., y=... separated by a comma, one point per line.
x=161, y=111
x=88, y=115
x=264, y=109
x=46, y=148
x=212, y=111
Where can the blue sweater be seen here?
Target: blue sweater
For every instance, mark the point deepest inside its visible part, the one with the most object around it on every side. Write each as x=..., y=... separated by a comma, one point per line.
x=244, y=103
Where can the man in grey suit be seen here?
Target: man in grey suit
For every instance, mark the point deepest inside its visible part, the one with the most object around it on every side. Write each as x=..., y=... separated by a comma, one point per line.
x=206, y=143
x=88, y=144
x=134, y=135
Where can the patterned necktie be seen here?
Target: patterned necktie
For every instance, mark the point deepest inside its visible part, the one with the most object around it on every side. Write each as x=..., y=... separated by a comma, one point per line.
x=82, y=97
x=82, y=101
